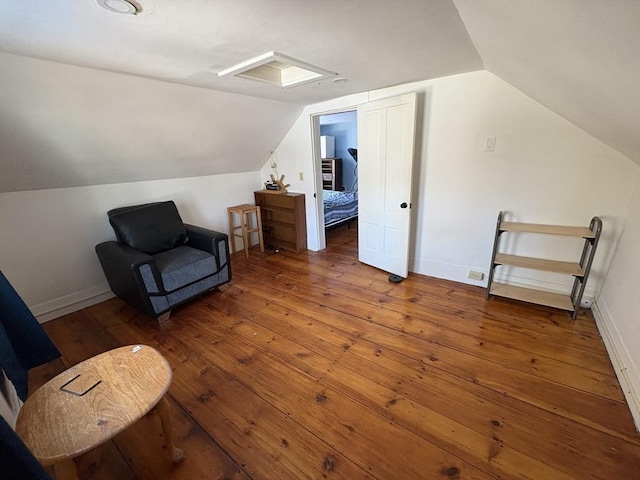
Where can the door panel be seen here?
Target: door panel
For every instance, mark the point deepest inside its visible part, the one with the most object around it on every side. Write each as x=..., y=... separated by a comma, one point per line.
x=386, y=132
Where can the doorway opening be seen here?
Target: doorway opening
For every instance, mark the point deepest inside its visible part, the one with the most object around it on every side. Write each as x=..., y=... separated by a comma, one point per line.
x=336, y=140
x=385, y=135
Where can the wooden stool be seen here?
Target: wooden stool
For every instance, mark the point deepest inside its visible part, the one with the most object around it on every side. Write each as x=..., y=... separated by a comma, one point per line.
x=93, y=401
x=244, y=210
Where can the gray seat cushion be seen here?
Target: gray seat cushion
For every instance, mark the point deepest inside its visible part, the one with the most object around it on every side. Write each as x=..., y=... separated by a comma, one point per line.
x=183, y=265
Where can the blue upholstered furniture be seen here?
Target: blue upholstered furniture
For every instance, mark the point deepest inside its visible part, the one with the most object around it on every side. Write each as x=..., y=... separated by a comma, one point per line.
x=23, y=342
x=23, y=345
x=159, y=262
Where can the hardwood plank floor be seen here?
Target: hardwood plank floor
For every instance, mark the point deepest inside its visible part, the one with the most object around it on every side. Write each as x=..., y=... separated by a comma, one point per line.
x=315, y=366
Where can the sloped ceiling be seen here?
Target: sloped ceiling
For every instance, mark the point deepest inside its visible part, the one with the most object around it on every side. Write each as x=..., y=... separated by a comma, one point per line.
x=68, y=126
x=579, y=58
x=371, y=43
x=63, y=124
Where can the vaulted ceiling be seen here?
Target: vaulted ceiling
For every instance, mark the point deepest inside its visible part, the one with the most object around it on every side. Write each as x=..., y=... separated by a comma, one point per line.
x=580, y=58
x=371, y=43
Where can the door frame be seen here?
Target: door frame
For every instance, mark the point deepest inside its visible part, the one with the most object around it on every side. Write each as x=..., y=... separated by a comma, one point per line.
x=317, y=168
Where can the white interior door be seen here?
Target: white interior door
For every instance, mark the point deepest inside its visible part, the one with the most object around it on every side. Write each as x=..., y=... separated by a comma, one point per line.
x=386, y=138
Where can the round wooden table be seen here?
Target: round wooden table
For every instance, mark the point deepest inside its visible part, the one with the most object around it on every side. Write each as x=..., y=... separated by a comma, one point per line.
x=92, y=402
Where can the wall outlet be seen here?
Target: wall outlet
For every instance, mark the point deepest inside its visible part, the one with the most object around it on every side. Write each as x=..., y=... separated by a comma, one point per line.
x=475, y=275
x=586, y=302
x=490, y=144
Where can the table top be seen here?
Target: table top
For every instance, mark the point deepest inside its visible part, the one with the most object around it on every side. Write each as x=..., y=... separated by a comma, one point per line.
x=92, y=402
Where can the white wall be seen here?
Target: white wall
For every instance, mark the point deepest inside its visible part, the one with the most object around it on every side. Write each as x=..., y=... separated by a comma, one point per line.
x=617, y=308
x=544, y=169
x=47, y=237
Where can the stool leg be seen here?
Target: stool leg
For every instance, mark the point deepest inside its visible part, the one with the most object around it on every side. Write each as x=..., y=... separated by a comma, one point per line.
x=167, y=430
x=245, y=236
x=65, y=470
x=232, y=238
x=260, y=235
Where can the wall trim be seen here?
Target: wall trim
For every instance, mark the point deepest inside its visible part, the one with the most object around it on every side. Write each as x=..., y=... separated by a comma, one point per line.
x=71, y=303
x=627, y=374
x=458, y=273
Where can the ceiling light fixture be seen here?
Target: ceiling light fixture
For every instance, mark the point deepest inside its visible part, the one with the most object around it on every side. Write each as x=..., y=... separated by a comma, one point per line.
x=125, y=7
x=278, y=69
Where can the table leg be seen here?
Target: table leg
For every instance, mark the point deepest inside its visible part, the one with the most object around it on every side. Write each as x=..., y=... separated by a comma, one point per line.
x=167, y=430
x=65, y=470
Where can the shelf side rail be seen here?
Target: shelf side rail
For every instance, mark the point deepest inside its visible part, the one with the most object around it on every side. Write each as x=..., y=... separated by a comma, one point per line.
x=496, y=241
x=586, y=259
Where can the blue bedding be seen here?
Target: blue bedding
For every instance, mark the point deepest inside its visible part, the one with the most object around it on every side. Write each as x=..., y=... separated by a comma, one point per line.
x=339, y=206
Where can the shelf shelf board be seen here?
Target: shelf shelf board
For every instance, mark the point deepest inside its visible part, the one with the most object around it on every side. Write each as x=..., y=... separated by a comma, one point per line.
x=555, y=300
x=276, y=223
x=274, y=208
x=285, y=245
x=580, y=232
x=556, y=266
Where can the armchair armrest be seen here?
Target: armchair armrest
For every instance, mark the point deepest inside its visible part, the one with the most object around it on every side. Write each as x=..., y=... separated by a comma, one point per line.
x=208, y=241
x=121, y=265
x=122, y=255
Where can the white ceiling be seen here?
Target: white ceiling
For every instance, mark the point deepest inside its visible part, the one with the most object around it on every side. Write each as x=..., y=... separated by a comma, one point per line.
x=580, y=58
x=371, y=43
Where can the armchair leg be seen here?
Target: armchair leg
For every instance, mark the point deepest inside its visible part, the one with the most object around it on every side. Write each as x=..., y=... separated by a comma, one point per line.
x=223, y=288
x=164, y=317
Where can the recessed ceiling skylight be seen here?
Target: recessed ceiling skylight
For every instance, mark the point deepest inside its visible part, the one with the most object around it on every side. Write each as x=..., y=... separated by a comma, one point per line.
x=126, y=7
x=278, y=69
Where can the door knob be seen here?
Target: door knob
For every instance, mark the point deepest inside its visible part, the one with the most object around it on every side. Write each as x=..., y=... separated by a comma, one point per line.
x=403, y=205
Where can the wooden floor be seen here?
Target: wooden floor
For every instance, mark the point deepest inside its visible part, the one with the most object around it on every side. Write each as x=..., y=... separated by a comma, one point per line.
x=315, y=366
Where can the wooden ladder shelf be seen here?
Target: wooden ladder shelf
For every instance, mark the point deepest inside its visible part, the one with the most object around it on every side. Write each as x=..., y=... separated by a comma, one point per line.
x=580, y=270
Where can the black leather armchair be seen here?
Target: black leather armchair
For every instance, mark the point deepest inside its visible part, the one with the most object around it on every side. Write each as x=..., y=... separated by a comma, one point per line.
x=159, y=262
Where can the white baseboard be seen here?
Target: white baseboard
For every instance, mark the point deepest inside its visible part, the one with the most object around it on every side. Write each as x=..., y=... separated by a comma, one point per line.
x=458, y=273
x=627, y=373
x=71, y=303
x=447, y=271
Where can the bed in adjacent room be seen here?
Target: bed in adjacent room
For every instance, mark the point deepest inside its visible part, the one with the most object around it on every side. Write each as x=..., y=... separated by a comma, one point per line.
x=339, y=207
